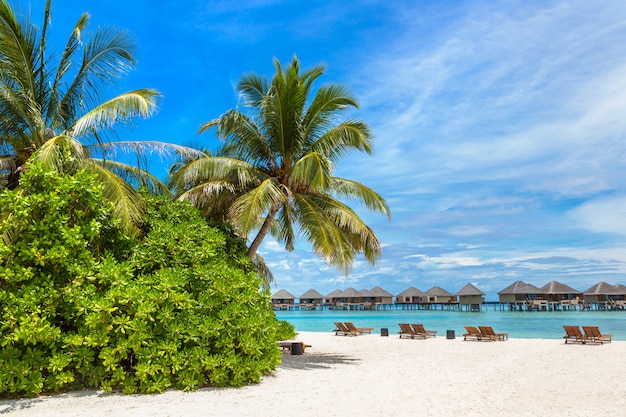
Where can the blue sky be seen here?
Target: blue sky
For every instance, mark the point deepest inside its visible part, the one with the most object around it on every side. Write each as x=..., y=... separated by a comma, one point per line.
x=499, y=125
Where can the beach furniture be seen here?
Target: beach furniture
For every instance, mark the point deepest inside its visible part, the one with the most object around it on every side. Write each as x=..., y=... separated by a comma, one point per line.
x=341, y=329
x=573, y=333
x=407, y=330
x=593, y=335
x=474, y=334
x=419, y=329
x=286, y=346
x=487, y=331
x=358, y=330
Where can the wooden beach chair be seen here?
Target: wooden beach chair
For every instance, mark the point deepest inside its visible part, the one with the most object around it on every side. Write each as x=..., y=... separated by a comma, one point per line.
x=286, y=346
x=473, y=334
x=593, y=335
x=341, y=329
x=358, y=330
x=406, y=330
x=487, y=331
x=419, y=329
x=573, y=334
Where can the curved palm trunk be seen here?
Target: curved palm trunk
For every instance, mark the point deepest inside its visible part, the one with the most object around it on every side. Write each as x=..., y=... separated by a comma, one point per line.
x=254, y=246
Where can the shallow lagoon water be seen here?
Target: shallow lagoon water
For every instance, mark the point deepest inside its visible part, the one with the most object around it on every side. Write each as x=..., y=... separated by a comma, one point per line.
x=526, y=325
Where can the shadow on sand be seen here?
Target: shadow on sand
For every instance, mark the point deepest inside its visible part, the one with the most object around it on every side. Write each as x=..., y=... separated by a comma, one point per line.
x=315, y=361
x=9, y=406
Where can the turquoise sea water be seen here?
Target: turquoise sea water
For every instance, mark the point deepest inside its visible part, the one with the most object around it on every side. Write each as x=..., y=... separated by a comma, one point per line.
x=526, y=325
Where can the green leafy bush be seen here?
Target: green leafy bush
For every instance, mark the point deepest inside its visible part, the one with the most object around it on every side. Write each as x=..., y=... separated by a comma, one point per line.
x=83, y=305
x=285, y=330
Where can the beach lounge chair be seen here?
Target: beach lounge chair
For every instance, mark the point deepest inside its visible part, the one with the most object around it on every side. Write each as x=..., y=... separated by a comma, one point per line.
x=286, y=346
x=419, y=330
x=474, y=334
x=593, y=335
x=487, y=331
x=358, y=330
x=342, y=330
x=573, y=333
x=407, y=330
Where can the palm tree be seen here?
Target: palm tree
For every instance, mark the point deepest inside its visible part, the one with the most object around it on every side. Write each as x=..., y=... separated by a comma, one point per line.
x=52, y=107
x=274, y=173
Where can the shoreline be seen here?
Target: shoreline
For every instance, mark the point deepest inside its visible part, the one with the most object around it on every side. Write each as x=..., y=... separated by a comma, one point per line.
x=372, y=375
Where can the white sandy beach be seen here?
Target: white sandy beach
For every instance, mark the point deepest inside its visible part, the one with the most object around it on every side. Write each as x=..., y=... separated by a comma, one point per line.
x=372, y=375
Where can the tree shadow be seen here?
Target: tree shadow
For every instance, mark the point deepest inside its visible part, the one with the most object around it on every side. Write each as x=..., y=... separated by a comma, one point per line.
x=315, y=361
x=12, y=405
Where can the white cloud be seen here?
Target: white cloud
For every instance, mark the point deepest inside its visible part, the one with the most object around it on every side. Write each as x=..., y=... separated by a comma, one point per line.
x=602, y=215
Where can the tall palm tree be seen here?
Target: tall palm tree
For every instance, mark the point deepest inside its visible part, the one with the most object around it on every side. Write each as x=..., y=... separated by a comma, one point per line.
x=52, y=107
x=274, y=173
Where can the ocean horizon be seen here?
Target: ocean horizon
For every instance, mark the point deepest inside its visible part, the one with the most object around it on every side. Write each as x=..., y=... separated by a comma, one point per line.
x=518, y=324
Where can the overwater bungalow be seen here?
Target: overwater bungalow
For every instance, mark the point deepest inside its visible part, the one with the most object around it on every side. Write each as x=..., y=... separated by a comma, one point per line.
x=557, y=295
x=283, y=300
x=519, y=296
x=311, y=300
x=438, y=296
x=349, y=299
x=378, y=298
x=470, y=298
x=598, y=296
x=332, y=298
x=411, y=298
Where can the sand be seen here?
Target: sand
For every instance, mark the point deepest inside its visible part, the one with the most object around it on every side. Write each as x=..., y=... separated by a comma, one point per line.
x=372, y=375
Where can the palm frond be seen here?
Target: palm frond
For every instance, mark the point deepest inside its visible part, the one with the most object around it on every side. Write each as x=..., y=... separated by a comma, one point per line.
x=248, y=209
x=283, y=228
x=253, y=89
x=65, y=64
x=263, y=270
x=61, y=153
x=328, y=240
x=312, y=171
x=128, y=203
x=238, y=173
x=242, y=137
x=328, y=101
x=355, y=190
x=348, y=136
x=18, y=46
x=347, y=233
x=213, y=198
x=108, y=55
x=143, y=149
x=123, y=108
x=21, y=68
x=134, y=176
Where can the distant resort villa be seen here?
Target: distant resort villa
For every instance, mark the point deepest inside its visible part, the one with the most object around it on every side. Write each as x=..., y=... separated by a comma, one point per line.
x=518, y=296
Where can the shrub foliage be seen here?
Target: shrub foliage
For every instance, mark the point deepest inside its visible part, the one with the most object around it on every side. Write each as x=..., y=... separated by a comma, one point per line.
x=83, y=305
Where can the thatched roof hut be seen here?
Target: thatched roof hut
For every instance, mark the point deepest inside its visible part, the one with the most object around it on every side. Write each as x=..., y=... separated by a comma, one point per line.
x=379, y=295
x=311, y=297
x=518, y=292
x=350, y=295
x=557, y=291
x=411, y=296
x=439, y=295
x=600, y=293
x=333, y=296
x=283, y=295
x=282, y=299
x=470, y=295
